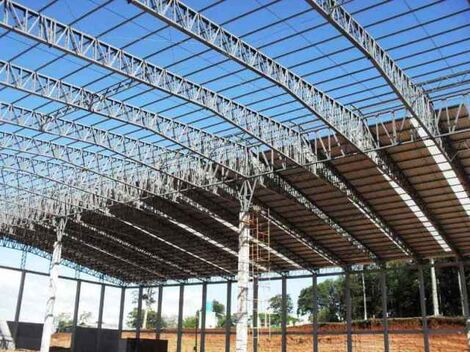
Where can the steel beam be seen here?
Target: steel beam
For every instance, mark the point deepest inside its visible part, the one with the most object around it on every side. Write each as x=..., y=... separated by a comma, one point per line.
x=465, y=302
x=138, y=325
x=19, y=301
x=347, y=299
x=384, y=295
x=100, y=318
x=315, y=312
x=120, y=242
x=92, y=247
x=179, y=333
x=158, y=325
x=121, y=310
x=284, y=315
x=255, y=315
x=228, y=317
x=422, y=301
x=7, y=241
x=76, y=307
x=203, y=317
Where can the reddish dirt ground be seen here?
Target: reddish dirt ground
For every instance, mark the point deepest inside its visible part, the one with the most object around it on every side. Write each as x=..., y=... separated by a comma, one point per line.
x=368, y=337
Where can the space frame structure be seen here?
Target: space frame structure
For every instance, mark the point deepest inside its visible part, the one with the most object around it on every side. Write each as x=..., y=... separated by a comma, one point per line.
x=146, y=174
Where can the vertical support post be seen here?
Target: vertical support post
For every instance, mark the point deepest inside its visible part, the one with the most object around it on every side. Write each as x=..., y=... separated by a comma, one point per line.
x=255, y=314
x=243, y=281
x=100, y=318
x=121, y=310
x=465, y=301
x=203, y=316
x=284, y=314
x=383, y=288
x=364, y=294
x=138, y=325
x=19, y=302
x=75, y=314
x=315, y=312
x=53, y=281
x=158, y=325
x=180, y=319
x=435, y=299
x=228, y=319
x=422, y=300
x=347, y=293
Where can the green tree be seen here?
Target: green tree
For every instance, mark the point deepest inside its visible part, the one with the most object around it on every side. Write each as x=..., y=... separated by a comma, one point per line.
x=151, y=319
x=190, y=322
x=275, y=304
x=219, y=310
x=63, y=321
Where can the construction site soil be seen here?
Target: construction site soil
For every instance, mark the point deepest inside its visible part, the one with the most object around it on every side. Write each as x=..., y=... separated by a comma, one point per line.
x=405, y=335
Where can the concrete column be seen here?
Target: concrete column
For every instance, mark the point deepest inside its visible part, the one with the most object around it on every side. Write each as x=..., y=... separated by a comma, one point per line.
x=284, y=314
x=435, y=298
x=347, y=293
x=75, y=314
x=243, y=282
x=203, y=317
x=158, y=327
x=465, y=301
x=383, y=288
x=180, y=320
x=422, y=300
x=228, y=317
x=53, y=282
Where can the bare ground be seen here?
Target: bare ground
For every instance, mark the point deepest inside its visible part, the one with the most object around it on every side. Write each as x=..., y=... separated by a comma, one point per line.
x=368, y=337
